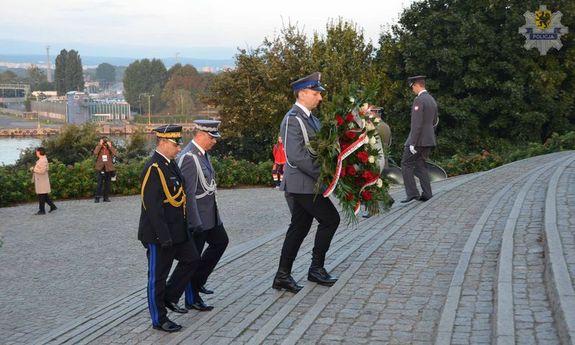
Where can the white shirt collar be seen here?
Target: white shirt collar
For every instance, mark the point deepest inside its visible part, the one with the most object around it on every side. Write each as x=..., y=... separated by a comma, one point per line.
x=422, y=91
x=199, y=147
x=305, y=110
x=166, y=158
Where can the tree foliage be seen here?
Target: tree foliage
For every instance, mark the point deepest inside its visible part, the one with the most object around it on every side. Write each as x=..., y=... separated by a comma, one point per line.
x=254, y=97
x=491, y=92
x=144, y=80
x=184, y=89
x=489, y=89
x=106, y=74
x=68, y=75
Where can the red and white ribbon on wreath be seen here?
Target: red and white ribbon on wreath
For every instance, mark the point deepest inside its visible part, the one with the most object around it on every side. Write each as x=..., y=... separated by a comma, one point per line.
x=343, y=155
x=369, y=183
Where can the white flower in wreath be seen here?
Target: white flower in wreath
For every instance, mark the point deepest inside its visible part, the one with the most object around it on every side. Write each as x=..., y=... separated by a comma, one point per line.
x=379, y=183
x=370, y=126
x=352, y=100
x=376, y=120
x=371, y=159
x=372, y=141
x=350, y=125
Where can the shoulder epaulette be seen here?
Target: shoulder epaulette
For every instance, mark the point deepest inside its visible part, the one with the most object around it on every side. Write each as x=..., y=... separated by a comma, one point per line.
x=292, y=112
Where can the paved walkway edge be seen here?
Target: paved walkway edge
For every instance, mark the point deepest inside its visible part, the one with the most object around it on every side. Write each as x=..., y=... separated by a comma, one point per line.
x=558, y=279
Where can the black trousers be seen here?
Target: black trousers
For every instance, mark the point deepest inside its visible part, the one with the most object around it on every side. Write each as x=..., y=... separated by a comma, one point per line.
x=104, y=183
x=414, y=165
x=159, y=264
x=306, y=207
x=45, y=199
x=217, y=240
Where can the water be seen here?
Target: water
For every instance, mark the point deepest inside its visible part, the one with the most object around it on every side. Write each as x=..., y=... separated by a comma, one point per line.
x=10, y=148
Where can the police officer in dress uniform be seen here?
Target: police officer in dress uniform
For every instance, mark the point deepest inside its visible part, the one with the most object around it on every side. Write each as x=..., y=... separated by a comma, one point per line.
x=204, y=219
x=163, y=230
x=302, y=171
x=420, y=141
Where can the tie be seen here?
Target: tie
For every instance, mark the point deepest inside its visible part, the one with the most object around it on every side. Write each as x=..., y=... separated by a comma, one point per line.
x=207, y=161
x=314, y=122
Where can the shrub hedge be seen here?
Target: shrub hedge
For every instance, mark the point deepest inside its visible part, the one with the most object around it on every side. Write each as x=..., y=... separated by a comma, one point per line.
x=79, y=180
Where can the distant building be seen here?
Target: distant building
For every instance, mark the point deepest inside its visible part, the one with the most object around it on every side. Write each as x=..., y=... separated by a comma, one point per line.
x=77, y=110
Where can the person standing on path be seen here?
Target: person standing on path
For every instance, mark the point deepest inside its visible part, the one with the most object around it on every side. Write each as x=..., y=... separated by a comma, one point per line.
x=105, y=153
x=41, y=181
x=420, y=141
x=203, y=216
x=297, y=128
x=279, y=162
x=163, y=230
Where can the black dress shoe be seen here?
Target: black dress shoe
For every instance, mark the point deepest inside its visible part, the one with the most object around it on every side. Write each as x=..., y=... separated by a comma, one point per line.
x=106, y=200
x=175, y=307
x=39, y=213
x=206, y=291
x=423, y=198
x=409, y=199
x=319, y=275
x=52, y=209
x=199, y=305
x=286, y=283
x=168, y=326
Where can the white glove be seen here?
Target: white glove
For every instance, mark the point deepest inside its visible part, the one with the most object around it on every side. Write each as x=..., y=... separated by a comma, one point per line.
x=412, y=149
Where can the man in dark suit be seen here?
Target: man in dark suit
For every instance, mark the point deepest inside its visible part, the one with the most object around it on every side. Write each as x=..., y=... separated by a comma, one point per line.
x=163, y=230
x=420, y=141
x=203, y=217
x=301, y=173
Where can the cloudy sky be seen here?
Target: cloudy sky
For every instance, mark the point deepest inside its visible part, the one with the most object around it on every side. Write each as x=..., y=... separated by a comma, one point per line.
x=175, y=27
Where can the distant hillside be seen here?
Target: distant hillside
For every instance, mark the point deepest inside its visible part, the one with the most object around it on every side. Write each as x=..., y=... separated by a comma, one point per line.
x=93, y=61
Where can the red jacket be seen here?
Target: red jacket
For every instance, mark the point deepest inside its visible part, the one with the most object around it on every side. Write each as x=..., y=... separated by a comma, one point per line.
x=279, y=154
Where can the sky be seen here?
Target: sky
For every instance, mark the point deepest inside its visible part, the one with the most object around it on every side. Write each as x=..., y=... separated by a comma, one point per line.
x=171, y=28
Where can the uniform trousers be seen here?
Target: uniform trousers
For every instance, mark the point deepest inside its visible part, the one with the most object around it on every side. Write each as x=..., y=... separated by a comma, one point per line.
x=159, y=264
x=217, y=240
x=414, y=164
x=306, y=207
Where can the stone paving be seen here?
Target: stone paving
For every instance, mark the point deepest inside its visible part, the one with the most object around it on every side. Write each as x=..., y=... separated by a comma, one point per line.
x=490, y=259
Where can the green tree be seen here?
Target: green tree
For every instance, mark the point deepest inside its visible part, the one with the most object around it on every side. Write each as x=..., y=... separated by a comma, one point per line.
x=68, y=73
x=8, y=77
x=36, y=77
x=142, y=78
x=106, y=74
x=185, y=89
x=490, y=90
x=254, y=97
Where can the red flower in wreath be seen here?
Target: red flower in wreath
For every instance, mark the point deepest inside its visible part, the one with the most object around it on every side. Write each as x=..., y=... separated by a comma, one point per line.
x=366, y=195
x=350, y=134
x=339, y=120
x=363, y=156
x=351, y=170
x=342, y=172
x=344, y=146
x=368, y=175
x=349, y=117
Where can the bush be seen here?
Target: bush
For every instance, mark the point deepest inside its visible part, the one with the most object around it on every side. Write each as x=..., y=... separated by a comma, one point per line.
x=79, y=180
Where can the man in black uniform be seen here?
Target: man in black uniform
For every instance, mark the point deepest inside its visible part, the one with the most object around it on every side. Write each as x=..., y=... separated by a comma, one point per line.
x=163, y=229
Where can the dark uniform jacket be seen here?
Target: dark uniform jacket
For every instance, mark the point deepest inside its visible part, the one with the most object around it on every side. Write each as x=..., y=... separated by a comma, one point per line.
x=163, y=216
x=301, y=170
x=423, y=117
x=202, y=211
